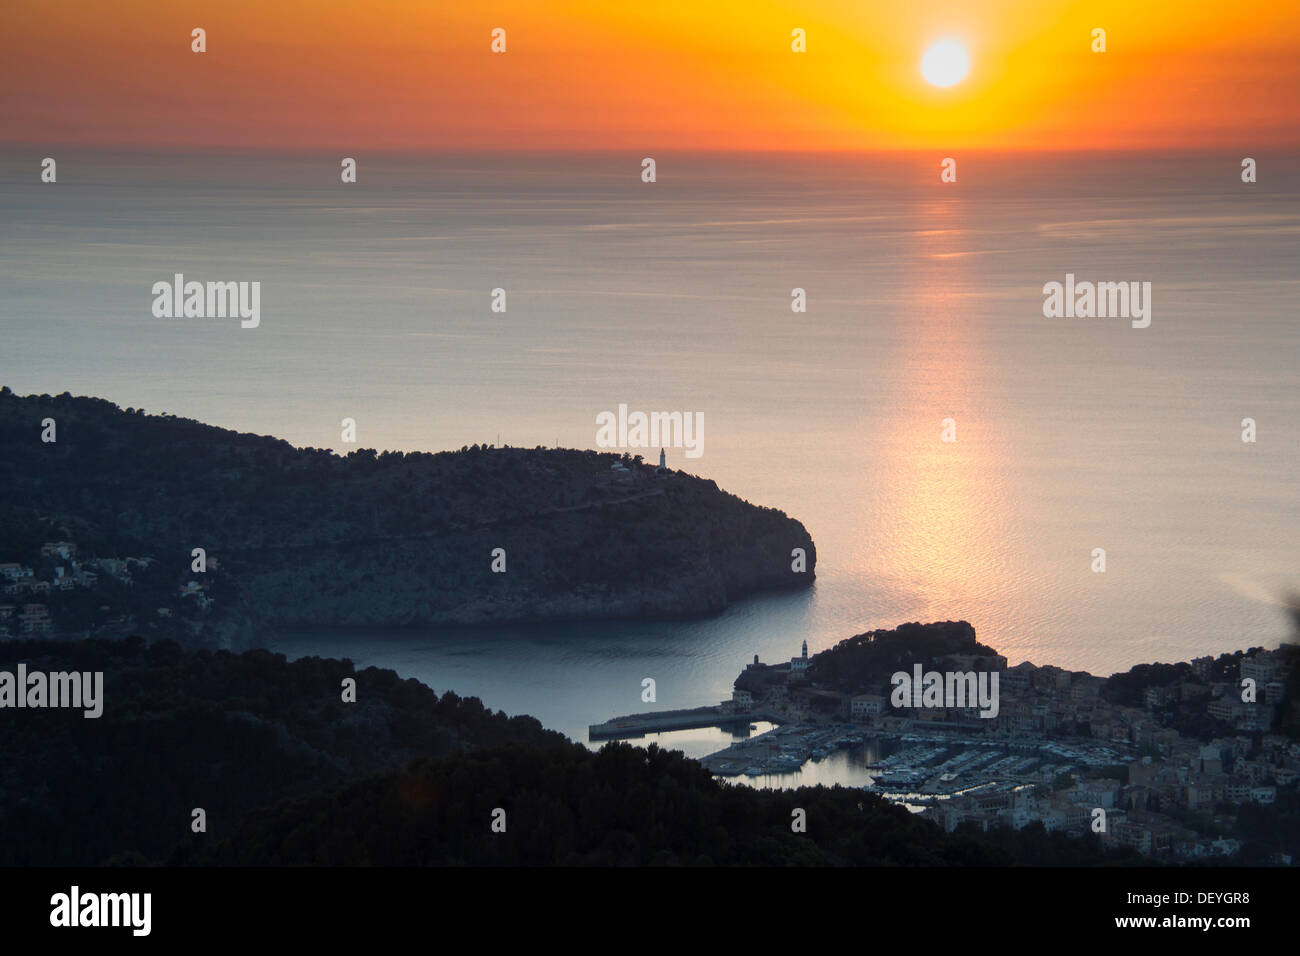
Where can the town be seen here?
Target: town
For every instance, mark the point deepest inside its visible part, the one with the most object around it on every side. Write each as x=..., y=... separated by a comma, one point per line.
x=1167, y=759
x=61, y=593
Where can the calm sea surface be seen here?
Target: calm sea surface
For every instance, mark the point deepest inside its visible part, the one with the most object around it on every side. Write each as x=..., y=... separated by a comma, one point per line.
x=924, y=303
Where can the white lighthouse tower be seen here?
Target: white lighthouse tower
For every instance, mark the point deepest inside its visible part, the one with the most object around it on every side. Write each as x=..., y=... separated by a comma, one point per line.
x=663, y=461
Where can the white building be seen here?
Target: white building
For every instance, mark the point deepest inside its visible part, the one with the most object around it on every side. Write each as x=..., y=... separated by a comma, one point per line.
x=867, y=705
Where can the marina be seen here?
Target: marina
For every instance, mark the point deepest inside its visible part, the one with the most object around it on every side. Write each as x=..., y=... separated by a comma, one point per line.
x=781, y=750
x=908, y=766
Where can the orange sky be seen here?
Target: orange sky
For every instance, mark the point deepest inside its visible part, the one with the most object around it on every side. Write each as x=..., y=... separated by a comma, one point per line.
x=615, y=74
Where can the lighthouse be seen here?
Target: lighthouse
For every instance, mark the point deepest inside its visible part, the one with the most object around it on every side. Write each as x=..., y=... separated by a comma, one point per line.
x=663, y=461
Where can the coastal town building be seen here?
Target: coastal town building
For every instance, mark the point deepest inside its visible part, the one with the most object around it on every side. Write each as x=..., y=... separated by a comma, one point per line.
x=865, y=706
x=13, y=571
x=59, y=549
x=35, y=619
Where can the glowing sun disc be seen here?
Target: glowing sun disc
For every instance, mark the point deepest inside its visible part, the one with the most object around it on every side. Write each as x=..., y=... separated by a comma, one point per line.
x=945, y=63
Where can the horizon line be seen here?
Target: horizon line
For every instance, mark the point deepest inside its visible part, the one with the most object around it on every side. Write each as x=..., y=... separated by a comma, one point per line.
x=1199, y=149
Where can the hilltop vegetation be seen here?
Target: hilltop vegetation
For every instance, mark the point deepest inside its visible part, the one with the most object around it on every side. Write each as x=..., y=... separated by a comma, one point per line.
x=219, y=731
x=869, y=659
x=310, y=538
x=623, y=806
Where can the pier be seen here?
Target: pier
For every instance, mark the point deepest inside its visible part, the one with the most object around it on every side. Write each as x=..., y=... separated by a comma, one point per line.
x=658, y=721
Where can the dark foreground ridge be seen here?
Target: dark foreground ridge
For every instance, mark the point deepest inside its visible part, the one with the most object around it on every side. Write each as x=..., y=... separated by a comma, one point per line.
x=303, y=537
x=199, y=729
x=288, y=773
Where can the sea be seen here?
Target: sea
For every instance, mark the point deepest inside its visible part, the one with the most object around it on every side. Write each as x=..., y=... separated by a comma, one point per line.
x=955, y=453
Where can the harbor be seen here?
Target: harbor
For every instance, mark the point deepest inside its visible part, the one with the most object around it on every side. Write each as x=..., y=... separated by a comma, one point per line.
x=782, y=750
x=907, y=765
x=815, y=734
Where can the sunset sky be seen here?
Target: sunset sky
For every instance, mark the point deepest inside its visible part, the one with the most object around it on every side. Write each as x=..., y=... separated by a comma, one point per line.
x=402, y=74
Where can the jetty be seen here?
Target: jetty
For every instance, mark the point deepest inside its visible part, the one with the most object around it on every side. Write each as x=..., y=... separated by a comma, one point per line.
x=659, y=721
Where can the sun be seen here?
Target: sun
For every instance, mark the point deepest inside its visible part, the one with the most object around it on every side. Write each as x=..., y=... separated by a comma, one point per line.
x=945, y=63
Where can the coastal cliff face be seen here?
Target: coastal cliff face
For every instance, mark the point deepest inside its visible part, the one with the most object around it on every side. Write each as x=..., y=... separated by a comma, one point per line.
x=304, y=537
x=650, y=546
